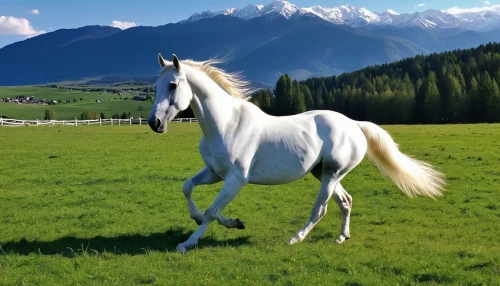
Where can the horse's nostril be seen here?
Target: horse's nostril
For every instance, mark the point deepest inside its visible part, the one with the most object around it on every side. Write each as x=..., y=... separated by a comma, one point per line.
x=157, y=123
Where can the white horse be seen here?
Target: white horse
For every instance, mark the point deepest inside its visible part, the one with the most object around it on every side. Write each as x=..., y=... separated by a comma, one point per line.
x=243, y=145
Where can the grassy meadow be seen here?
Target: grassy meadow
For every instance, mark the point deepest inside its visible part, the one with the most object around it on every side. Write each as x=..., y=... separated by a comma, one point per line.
x=110, y=103
x=103, y=206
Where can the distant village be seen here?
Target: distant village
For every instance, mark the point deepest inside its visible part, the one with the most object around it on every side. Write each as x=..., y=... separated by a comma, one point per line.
x=27, y=99
x=31, y=99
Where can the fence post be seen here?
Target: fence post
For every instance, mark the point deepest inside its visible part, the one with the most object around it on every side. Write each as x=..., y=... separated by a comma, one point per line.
x=1, y=121
x=111, y=121
x=100, y=121
x=76, y=122
x=53, y=122
x=140, y=121
x=130, y=121
x=63, y=122
x=119, y=122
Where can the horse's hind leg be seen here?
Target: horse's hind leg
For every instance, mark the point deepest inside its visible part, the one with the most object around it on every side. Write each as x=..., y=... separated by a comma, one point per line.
x=344, y=200
x=328, y=185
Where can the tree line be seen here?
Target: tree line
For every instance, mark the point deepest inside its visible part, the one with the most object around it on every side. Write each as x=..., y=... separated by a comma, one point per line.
x=460, y=86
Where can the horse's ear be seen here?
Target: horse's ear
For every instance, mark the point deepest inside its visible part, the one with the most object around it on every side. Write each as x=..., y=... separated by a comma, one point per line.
x=162, y=61
x=176, y=62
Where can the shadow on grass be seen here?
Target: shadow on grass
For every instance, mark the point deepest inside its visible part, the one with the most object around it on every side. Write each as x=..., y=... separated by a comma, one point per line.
x=125, y=244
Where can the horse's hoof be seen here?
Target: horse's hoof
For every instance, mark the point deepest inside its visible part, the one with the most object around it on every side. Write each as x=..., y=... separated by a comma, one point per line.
x=341, y=239
x=239, y=224
x=180, y=248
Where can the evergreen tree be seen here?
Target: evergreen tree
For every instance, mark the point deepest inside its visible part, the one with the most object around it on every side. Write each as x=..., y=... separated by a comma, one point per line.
x=473, y=66
x=420, y=82
x=307, y=97
x=262, y=99
x=373, y=108
x=408, y=86
x=456, y=101
x=289, y=94
x=497, y=76
x=298, y=101
x=318, y=99
x=330, y=101
x=473, y=98
x=432, y=113
x=460, y=78
x=324, y=95
x=485, y=91
x=493, y=104
x=496, y=89
x=283, y=96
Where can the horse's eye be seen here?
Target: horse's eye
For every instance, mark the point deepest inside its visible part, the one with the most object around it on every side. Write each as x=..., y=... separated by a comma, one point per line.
x=172, y=86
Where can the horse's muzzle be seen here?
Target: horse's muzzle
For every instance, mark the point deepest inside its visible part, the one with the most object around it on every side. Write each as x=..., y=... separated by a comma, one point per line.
x=156, y=125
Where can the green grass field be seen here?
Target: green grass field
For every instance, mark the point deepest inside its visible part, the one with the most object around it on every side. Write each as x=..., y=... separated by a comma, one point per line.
x=110, y=103
x=104, y=206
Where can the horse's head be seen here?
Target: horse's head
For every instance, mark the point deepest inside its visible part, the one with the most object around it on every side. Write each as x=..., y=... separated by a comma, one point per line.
x=173, y=94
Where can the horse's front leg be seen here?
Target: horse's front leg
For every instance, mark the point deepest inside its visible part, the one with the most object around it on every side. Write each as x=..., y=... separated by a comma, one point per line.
x=231, y=188
x=204, y=177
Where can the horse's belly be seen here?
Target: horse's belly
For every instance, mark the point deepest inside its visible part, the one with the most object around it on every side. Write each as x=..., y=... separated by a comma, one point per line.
x=281, y=167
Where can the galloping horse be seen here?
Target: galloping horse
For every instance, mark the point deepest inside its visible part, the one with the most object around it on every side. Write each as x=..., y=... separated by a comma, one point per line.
x=243, y=145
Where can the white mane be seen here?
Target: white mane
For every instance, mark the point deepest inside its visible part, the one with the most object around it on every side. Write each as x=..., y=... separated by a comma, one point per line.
x=232, y=83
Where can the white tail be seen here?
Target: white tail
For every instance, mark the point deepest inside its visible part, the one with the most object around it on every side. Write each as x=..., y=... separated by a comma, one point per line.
x=412, y=176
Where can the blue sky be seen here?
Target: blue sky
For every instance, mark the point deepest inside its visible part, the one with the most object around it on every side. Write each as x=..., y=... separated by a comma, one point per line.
x=22, y=18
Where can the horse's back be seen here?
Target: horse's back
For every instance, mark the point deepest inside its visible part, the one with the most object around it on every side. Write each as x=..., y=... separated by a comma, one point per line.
x=291, y=146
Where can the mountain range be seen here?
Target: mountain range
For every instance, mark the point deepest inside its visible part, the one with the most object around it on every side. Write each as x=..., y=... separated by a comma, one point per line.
x=261, y=41
x=479, y=21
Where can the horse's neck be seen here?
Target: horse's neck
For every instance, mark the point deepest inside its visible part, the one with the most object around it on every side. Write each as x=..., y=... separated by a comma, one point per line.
x=212, y=106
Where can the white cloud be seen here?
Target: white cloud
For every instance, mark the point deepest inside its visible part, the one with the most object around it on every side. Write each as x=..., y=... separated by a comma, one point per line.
x=122, y=25
x=476, y=10
x=17, y=26
x=419, y=5
x=487, y=2
x=34, y=12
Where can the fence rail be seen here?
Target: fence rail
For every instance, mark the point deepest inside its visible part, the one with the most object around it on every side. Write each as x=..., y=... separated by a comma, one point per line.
x=7, y=122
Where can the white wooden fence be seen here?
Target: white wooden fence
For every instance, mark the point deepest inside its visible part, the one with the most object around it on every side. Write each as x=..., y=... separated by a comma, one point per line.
x=7, y=122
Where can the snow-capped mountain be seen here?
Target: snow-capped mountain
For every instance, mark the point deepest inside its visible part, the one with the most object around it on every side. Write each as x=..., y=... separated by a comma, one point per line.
x=427, y=19
x=359, y=16
x=247, y=12
x=481, y=22
x=344, y=14
x=277, y=8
